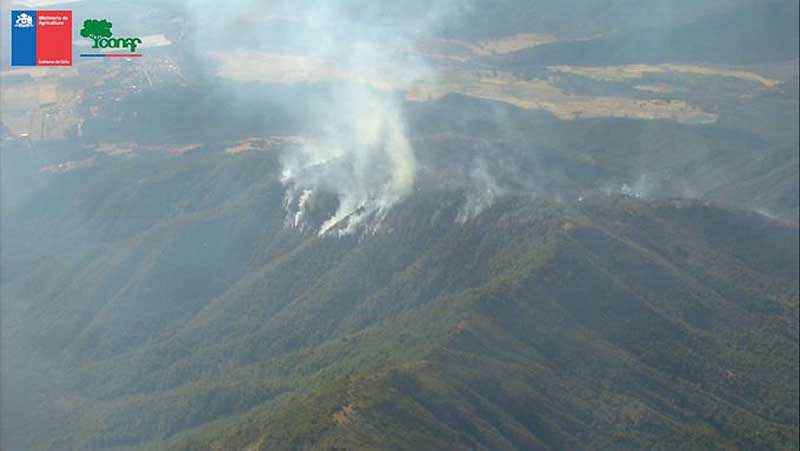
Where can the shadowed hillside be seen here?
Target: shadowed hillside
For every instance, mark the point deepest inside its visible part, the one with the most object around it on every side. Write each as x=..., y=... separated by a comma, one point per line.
x=449, y=225
x=536, y=324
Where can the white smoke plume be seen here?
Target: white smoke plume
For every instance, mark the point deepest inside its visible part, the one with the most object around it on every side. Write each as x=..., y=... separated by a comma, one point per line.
x=482, y=191
x=358, y=150
x=362, y=153
x=644, y=187
x=363, y=156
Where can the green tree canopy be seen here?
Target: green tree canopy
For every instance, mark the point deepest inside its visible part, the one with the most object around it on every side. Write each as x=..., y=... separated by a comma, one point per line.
x=96, y=29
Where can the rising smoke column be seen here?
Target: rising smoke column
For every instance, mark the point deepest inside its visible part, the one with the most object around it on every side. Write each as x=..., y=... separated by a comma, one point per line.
x=363, y=157
x=362, y=153
x=358, y=150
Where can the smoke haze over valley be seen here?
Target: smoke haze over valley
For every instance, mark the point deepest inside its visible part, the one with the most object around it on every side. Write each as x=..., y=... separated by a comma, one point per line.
x=344, y=224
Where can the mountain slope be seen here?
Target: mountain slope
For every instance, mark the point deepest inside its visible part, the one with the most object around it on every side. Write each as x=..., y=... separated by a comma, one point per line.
x=536, y=324
x=610, y=336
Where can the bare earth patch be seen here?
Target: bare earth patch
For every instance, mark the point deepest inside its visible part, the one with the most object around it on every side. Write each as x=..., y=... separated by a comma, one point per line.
x=540, y=94
x=180, y=150
x=273, y=142
x=635, y=71
x=342, y=416
x=506, y=44
x=251, y=65
x=658, y=89
x=248, y=65
x=68, y=166
x=42, y=107
x=114, y=150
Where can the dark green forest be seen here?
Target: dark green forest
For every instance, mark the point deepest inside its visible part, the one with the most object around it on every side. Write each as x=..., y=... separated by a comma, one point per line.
x=618, y=283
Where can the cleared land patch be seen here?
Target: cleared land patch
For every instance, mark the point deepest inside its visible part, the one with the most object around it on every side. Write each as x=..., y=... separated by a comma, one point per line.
x=636, y=71
x=540, y=94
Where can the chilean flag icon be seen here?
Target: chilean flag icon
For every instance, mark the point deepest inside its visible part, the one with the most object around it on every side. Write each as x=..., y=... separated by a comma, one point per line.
x=41, y=38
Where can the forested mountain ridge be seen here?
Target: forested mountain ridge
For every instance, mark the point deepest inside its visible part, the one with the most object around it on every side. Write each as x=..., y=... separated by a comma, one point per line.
x=356, y=225
x=541, y=324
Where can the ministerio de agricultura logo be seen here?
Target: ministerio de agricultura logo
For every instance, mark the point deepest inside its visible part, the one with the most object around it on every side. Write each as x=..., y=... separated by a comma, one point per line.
x=41, y=38
x=99, y=32
x=44, y=38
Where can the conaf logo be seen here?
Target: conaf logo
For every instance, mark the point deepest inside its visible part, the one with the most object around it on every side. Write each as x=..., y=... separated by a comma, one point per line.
x=99, y=31
x=24, y=21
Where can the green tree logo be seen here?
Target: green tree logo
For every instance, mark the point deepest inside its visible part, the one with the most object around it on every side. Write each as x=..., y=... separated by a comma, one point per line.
x=99, y=31
x=96, y=29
